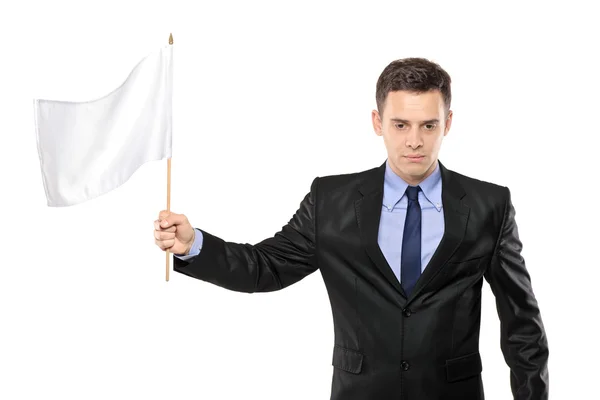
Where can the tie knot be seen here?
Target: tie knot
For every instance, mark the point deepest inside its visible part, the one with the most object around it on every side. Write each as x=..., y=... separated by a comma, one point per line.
x=412, y=192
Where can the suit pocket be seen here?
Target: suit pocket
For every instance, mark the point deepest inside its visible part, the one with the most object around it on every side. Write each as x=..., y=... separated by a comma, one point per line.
x=347, y=360
x=463, y=367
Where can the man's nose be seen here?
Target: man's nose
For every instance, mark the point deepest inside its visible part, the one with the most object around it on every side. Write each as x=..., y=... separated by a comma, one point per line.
x=414, y=138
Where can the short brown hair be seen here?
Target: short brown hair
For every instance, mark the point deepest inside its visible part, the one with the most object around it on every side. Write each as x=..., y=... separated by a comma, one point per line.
x=414, y=75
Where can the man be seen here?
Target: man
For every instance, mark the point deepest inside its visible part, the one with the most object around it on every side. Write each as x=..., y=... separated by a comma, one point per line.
x=403, y=249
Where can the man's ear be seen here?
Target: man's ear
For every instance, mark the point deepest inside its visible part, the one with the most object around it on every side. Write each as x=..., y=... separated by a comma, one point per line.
x=377, y=125
x=448, y=123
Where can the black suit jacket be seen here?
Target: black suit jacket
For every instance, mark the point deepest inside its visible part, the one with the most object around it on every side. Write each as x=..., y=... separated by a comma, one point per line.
x=387, y=345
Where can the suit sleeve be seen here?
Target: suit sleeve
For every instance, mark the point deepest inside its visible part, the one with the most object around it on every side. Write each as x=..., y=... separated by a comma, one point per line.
x=523, y=338
x=272, y=264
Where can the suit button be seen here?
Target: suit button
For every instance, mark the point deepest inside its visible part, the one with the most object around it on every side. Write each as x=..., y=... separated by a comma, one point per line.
x=406, y=312
x=405, y=365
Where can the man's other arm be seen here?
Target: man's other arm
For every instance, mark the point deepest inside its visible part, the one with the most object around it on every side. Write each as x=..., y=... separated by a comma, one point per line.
x=272, y=264
x=524, y=342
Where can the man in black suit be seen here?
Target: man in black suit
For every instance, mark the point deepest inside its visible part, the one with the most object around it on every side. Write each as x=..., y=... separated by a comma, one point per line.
x=403, y=249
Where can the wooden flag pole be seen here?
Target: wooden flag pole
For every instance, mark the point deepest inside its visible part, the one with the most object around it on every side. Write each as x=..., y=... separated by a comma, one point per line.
x=169, y=185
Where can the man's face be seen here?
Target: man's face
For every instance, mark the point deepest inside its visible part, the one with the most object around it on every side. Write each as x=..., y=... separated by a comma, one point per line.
x=413, y=125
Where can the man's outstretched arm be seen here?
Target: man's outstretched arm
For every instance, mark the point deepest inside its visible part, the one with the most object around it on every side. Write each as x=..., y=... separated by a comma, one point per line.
x=269, y=265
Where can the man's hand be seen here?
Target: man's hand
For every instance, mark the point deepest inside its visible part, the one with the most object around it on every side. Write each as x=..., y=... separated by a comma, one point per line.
x=173, y=232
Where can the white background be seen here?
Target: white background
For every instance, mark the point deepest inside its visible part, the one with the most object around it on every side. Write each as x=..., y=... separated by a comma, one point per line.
x=266, y=97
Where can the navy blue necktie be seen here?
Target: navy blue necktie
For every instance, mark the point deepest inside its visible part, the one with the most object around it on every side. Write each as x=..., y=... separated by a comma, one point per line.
x=411, y=242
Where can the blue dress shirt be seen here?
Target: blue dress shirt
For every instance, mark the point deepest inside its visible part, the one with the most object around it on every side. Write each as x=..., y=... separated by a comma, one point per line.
x=393, y=214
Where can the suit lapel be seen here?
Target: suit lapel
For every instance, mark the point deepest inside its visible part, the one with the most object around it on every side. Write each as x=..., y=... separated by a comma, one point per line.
x=368, y=214
x=456, y=216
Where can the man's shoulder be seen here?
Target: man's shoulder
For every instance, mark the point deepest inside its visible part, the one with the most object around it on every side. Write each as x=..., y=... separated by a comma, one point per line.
x=345, y=181
x=481, y=191
x=471, y=181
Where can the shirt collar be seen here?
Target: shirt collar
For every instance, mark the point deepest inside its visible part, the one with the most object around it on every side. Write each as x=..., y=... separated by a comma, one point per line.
x=394, y=187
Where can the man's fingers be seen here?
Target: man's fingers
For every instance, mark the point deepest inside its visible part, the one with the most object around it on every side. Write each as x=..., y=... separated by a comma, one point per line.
x=164, y=235
x=166, y=227
x=164, y=244
x=172, y=219
x=159, y=228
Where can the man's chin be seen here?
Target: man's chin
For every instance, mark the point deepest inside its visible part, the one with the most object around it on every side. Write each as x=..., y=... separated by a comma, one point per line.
x=416, y=170
x=415, y=167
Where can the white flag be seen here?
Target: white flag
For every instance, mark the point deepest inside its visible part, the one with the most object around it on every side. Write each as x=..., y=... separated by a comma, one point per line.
x=87, y=149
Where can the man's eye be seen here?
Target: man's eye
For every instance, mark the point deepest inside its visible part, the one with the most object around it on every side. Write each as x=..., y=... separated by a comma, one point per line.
x=430, y=127
x=399, y=126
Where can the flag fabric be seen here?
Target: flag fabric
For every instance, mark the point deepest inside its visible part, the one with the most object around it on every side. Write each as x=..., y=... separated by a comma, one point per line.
x=87, y=149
